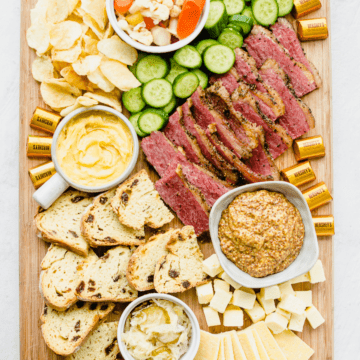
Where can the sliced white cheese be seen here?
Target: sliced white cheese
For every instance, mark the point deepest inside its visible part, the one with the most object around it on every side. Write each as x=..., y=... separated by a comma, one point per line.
x=209, y=346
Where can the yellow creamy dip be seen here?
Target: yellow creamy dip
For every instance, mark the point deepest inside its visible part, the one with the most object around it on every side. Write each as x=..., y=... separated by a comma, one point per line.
x=94, y=148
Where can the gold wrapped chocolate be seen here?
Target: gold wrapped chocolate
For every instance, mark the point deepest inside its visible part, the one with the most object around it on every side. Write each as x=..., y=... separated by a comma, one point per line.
x=312, y=29
x=304, y=7
x=324, y=225
x=42, y=173
x=317, y=196
x=299, y=174
x=39, y=146
x=45, y=120
x=309, y=148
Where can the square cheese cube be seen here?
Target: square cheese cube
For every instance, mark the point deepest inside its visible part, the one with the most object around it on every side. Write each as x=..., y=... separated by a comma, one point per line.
x=305, y=296
x=220, y=300
x=297, y=322
x=276, y=323
x=221, y=284
x=317, y=273
x=229, y=280
x=243, y=299
x=271, y=292
x=314, y=317
x=268, y=305
x=283, y=313
x=248, y=290
x=292, y=304
x=233, y=316
x=211, y=266
x=211, y=316
x=257, y=313
x=205, y=293
x=286, y=289
x=301, y=279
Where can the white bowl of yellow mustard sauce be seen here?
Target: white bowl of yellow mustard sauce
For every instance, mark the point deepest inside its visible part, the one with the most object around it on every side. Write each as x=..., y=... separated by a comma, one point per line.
x=94, y=149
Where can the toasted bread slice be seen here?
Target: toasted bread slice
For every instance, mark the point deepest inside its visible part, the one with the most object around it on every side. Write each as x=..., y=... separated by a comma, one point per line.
x=137, y=203
x=101, y=226
x=60, y=223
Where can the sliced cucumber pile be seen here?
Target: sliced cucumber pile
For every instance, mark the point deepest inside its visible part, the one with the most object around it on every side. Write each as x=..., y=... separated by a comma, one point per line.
x=265, y=12
x=219, y=58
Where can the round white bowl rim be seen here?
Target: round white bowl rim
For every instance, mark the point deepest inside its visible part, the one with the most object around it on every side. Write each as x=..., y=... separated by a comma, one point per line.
x=195, y=336
x=114, y=182
x=156, y=49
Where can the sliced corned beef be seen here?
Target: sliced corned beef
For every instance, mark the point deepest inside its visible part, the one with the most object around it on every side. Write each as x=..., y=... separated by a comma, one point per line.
x=228, y=80
x=186, y=201
x=262, y=45
x=286, y=36
x=298, y=118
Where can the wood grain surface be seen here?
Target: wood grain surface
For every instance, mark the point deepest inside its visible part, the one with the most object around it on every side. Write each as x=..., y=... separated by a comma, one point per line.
x=32, y=250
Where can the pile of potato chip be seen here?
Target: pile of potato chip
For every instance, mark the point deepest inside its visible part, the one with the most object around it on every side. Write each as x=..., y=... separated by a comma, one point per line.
x=80, y=61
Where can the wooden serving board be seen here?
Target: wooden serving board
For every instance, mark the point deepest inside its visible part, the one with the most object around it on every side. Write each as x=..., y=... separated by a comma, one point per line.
x=32, y=250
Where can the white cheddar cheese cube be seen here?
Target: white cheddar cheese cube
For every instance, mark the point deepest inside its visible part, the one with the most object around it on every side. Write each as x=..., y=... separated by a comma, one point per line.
x=317, y=273
x=270, y=293
x=248, y=290
x=220, y=300
x=314, y=317
x=292, y=304
x=305, y=296
x=286, y=289
x=276, y=323
x=268, y=305
x=221, y=284
x=297, y=322
x=233, y=316
x=257, y=313
x=229, y=280
x=211, y=316
x=211, y=266
x=283, y=313
x=205, y=293
x=243, y=299
x=301, y=279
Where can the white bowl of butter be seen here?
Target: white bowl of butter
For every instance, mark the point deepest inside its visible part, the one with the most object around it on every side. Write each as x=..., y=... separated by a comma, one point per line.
x=94, y=149
x=167, y=321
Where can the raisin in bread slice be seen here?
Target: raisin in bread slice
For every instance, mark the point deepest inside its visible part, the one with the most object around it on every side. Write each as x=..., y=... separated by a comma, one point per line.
x=101, y=226
x=65, y=331
x=100, y=345
x=60, y=223
x=181, y=269
x=137, y=203
x=105, y=280
x=141, y=268
x=61, y=275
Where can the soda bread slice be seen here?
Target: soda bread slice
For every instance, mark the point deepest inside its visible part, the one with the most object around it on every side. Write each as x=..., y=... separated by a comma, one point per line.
x=60, y=223
x=141, y=268
x=181, y=269
x=61, y=276
x=137, y=203
x=65, y=331
x=105, y=280
x=100, y=345
x=101, y=226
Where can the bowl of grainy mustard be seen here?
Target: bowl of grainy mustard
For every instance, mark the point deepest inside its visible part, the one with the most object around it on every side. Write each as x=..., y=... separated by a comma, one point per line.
x=263, y=234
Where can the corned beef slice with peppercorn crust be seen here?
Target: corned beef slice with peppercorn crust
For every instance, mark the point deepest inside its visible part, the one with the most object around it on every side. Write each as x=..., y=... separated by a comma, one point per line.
x=228, y=80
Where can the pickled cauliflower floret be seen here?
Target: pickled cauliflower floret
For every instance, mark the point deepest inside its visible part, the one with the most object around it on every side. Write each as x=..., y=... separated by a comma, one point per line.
x=142, y=35
x=124, y=25
x=175, y=11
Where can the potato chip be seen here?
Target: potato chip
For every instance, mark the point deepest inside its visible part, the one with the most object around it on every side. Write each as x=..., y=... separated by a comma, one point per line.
x=87, y=65
x=63, y=35
x=109, y=31
x=42, y=69
x=89, y=21
x=57, y=11
x=38, y=37
x=81, y=82
x=111, y=99
x=62, y=83
x=70, y=55
x=80, y=102
x=59, y=65
x=97, y=10
x=38, y=13
x=90, y=45
x=116, y=49
x=119, y=74
x=98, y=78
x=72, y=5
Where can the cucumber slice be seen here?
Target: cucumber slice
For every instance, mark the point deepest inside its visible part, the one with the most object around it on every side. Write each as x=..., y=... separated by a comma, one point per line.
x=219, y=59
x=134, y=122
x=245, y=22
x=265, y=11
x=188, y=57
x=152, y=120
x=151, y=67
x=248, y=12
x=185, y=85
x=234, y=6
x=170, y=106
x=157, y=93
x=133, y=100
x=235, y=27
x=217, y=19
x=231, y=38
x=204, y=44
x=285, y=6
x=141, y=55
x=175, y=70
x=203, y=78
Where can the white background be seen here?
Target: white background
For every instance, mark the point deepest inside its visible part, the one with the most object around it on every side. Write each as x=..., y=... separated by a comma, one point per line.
x=346, y=122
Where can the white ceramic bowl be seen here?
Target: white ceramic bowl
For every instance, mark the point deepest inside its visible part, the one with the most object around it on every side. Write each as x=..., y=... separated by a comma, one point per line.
x=195, y=336
x=156, y=49
x=308, y=254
